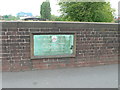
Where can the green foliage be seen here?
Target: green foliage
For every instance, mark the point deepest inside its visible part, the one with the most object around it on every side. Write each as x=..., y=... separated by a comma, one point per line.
x=87, y=11
x=59, y=19
x=10, y=17
x=53, y=17
x=45, y=10
x=56, y=18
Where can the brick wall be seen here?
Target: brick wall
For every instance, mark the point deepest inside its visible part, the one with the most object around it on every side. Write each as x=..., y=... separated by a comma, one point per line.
x=96, y=44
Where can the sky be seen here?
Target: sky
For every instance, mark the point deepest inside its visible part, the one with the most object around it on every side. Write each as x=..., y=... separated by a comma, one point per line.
x=14, y=6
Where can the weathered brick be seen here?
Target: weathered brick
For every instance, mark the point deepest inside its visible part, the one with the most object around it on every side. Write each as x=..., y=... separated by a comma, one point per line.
x=96, y=46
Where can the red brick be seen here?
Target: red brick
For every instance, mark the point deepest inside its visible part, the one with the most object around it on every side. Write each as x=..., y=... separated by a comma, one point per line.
x=92, y=48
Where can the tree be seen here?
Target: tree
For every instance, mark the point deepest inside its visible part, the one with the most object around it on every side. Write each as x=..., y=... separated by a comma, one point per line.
x=87, y=11
x=56, y=18
x=45, y=10
x=10, y=17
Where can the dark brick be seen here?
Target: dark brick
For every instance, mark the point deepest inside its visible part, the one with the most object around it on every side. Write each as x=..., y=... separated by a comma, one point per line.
x=96, y=46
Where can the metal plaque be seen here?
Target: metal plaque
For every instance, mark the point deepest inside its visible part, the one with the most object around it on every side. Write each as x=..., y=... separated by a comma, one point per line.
x=47, y=45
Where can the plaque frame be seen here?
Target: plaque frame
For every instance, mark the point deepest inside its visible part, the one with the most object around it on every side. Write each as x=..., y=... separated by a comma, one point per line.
x=53, y=33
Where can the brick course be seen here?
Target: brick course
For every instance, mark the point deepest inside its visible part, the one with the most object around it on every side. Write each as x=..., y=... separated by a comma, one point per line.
x=96, y=44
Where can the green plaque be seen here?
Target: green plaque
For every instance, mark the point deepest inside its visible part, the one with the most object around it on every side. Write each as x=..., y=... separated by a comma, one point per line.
x=49, y=45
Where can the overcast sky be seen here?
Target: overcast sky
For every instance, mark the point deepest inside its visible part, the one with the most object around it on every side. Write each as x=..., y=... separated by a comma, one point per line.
x=14, y=6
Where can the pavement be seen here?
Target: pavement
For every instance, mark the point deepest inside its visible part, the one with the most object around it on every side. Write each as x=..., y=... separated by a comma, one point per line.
x=105, y=76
